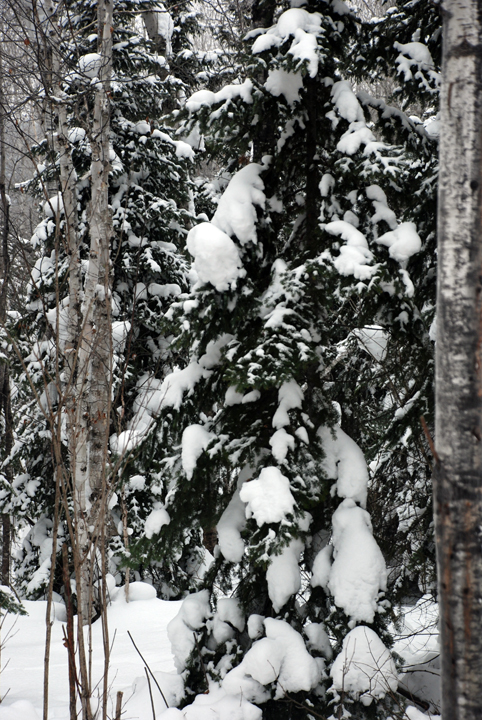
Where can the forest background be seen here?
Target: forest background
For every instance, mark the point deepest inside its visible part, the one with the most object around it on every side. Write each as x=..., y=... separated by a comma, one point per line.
x=217, y=323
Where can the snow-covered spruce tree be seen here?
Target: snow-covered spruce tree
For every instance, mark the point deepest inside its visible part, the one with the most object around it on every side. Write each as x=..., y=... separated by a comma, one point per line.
x=312, y=223
x=148, y=203
x=394, y=392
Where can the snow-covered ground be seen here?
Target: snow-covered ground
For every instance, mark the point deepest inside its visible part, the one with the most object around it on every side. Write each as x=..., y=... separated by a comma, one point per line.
x=146, y=618
x=22, y=660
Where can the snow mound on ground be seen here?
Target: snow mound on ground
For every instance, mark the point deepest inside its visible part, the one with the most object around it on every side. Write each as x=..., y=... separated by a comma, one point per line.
x=20, y=709
x=364, y=668
x=215, y=705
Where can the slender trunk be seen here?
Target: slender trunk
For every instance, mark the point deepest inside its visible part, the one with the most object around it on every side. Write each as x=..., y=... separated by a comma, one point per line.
x=5, y=402
x=94, y=370
x=312, y=175
x=458, y=472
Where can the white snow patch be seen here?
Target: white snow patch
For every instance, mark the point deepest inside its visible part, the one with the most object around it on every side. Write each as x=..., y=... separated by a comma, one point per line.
x=373, y=339
x=283, y=574
x=304, y=27
x=403, y=242
x=236, y=212
x=281, y=657
x=280, y=443
x=230, y=525
x=268, y=498
x=344, y=462
x=358, y=573
x=226, y=94
x=290, y=396
x=195, y=440
x=355, y=255
x=157, y=518
x=90, y=64
x=281, y=82
x=364, y=668
x=194, y=611
x=216, y=257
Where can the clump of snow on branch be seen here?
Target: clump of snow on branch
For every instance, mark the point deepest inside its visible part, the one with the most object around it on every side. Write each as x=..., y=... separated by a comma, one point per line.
x=226, y=94
x=236, y=212
x=283, y=574
x=228, y=618
x=290, y=396
x=195, y=440
x=415, y=61
x=157, y=518
x=344, y=462
x=304, y=27
x=268, y=499
x=402, y=243
x=181, y=631
x=230, y=526
x=281, y=658
x=281, y=82
x=364, y=668
x=358, y=573
x=90, y=64
x=354, y=257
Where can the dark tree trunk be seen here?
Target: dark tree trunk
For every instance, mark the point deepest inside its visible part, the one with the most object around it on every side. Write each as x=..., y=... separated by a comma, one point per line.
x=6, y=423
x=458, y=473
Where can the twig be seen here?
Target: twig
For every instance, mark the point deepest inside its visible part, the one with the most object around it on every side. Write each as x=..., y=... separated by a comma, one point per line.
x=145, y=663
x=202, y=662
x=150, y=693
x=118, y=705
x=429, y=439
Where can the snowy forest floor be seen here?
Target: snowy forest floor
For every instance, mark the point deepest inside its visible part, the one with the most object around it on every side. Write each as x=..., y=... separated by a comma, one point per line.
x=146, y=618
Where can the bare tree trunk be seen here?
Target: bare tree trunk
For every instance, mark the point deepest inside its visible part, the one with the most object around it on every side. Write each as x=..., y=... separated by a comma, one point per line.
x=94, y=360
x=5, y=400
x=458, y=472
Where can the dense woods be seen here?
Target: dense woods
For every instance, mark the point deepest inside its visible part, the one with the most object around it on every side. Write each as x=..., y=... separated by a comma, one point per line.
x=217, y=338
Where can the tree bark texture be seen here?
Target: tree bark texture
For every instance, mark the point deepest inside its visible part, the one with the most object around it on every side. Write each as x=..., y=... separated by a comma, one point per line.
x=458, y=472
x=6, y=419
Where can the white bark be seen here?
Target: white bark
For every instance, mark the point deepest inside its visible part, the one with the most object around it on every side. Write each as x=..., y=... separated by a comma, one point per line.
x=94, y=360
x=458, y=472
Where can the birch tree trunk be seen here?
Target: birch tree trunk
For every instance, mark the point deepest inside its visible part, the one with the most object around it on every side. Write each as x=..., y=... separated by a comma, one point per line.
x=458, y=472
x=94, y=355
